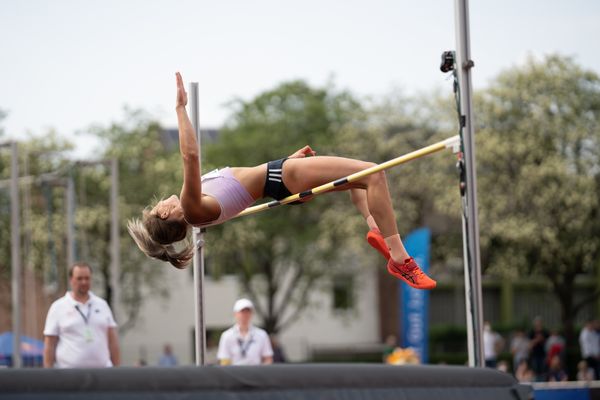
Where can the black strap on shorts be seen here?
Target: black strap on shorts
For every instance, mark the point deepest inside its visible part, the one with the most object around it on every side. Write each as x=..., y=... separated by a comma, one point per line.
x=274, y=186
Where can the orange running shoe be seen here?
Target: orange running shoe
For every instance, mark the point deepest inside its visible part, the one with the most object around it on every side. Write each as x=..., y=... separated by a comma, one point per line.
x=375, y=239
x=410, y=273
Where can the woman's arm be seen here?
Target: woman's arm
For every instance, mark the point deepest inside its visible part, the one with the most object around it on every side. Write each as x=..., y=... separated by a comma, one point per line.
x=191, y=192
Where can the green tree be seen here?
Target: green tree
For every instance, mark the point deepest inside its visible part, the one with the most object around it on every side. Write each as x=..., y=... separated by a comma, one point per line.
x=147, y=167
x=42, y=227
x=538, y=133
x=38, y=157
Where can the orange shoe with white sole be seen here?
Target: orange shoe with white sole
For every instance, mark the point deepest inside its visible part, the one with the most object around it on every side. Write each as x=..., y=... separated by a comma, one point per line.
x=410, y=273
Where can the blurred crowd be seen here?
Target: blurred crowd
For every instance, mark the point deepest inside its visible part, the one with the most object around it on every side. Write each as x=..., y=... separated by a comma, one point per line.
x=539, y=354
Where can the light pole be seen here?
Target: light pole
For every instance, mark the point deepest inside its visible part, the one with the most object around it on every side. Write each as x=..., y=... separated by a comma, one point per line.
x=15, y=252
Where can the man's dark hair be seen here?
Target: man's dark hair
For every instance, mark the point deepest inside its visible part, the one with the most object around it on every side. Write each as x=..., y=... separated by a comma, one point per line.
x=79, y=264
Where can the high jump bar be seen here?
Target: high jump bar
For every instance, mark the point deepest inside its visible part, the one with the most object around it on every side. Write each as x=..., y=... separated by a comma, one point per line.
x=452, y=142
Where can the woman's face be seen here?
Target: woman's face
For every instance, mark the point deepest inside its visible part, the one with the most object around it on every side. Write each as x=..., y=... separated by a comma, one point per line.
x=169, y=207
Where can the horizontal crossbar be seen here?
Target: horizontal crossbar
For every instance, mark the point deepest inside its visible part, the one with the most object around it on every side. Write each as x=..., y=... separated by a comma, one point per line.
x=452, y=142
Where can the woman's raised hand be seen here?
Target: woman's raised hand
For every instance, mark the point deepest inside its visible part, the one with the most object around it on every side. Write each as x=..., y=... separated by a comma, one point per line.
x=303, y=152
x=181, y=94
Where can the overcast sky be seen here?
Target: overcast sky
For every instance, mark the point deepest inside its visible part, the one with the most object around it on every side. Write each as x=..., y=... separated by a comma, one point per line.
x=67, y=64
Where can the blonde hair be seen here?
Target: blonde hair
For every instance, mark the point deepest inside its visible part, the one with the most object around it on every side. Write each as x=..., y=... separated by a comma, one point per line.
x=155, y=237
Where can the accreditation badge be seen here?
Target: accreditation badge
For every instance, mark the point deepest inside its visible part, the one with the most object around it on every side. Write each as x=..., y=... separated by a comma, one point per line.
x=87, y=334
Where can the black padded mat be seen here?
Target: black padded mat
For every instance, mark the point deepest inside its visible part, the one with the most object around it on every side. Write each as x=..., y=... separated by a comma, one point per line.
x=282, y=381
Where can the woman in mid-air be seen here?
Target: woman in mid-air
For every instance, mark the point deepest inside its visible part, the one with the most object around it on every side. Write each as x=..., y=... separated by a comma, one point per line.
x=220, y=195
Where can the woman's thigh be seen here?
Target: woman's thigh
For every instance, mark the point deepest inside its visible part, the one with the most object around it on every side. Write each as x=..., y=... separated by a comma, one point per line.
x=300, y=174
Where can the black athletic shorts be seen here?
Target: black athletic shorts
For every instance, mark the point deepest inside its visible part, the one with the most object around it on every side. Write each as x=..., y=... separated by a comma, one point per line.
x=274, y=186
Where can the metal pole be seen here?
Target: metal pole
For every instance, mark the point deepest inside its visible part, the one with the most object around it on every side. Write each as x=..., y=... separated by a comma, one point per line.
x=198, y=240
x=115, y=249
x=468, y=293
x=70, y=210
x=472, y=257
x=30, y=282
x=15, y=255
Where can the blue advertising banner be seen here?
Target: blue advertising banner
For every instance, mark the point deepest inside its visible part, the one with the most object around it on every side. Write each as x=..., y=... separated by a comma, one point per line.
x=414, y=303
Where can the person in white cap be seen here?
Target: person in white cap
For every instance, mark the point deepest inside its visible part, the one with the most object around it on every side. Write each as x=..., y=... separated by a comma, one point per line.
x=244, y=343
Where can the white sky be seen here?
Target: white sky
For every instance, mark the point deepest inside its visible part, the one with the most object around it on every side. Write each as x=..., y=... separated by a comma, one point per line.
x=67, y=64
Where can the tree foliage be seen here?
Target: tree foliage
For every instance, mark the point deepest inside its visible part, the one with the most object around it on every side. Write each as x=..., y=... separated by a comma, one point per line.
x=539, y=168
x=147, y=169
x=538, y=138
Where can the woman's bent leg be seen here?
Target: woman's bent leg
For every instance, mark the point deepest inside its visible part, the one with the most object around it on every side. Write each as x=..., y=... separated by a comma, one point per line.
x=306, y=173
x=359, y=199
x=374, y=237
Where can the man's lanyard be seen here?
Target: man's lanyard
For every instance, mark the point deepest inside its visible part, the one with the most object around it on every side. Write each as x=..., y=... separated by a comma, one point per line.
x=86, y=318
x=244, y=346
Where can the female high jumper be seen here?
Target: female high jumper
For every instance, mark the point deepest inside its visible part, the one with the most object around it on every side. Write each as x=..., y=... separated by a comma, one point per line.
x=218, y=196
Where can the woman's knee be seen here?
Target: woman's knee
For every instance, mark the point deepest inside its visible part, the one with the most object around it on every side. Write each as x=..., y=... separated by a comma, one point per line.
x=377, y=178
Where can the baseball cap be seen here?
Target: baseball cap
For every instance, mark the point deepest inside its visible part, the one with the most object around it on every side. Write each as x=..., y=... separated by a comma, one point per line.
x=242, y=304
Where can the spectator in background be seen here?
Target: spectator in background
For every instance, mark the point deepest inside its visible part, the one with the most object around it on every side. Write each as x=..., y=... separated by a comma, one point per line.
x=537, y=348
x=519, y=348
x=80, y=330
x=167, y=358
x=502, y=366
x=584, y=372
x=243, y=343
x=555, y=346
x=556, y=373
x=492, y=345
x=523, y=373
x=391, y=343
x=278, y=353
x=141, y=362
x=589, y=342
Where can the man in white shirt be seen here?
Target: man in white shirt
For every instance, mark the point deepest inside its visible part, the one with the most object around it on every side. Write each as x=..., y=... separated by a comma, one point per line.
x=492, y=344
x=80, y=330
x=243, y=343
x=589, y=342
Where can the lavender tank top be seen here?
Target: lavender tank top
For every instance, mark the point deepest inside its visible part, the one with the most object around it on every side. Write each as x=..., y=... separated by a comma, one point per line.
x=231, y=195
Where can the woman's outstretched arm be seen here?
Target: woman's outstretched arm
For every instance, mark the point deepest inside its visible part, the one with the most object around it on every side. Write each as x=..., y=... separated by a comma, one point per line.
x=191, y=192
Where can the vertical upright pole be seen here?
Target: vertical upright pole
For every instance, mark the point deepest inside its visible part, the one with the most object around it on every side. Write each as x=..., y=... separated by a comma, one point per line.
x=115, y=248
x=70, y=209
x=29, y=286
x=472, y=257
x=15, y=255
x=198, y=240
x=468, y=290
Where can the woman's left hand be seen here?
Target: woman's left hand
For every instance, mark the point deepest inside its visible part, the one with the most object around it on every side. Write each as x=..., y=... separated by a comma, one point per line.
x=303, y=152
x=181, y=94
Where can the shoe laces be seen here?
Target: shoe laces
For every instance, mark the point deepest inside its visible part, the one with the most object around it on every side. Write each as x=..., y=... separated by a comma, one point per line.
x=411, y=266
